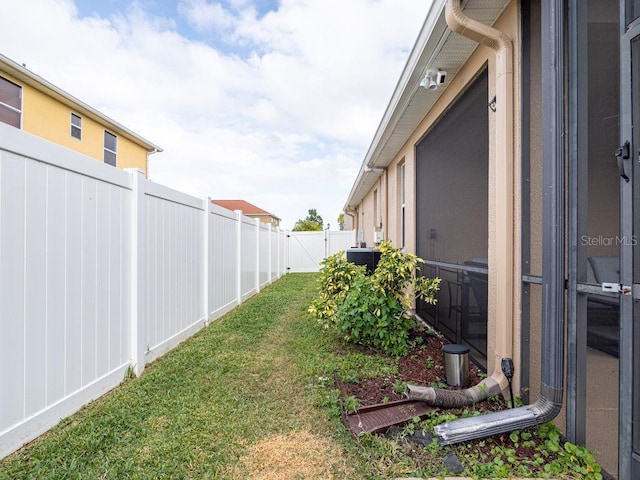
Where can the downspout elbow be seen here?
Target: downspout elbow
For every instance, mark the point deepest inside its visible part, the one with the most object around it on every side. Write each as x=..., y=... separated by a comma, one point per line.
x=545, y=409
x=463, y=25
x=503, y=264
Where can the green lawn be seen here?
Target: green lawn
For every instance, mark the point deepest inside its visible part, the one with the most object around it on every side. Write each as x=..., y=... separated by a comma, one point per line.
x=213, y=407
x=251, y=396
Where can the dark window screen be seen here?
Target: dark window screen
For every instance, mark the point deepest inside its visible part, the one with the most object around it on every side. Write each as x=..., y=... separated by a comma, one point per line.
x=10, y=103
x=452, y=170
x=633, y=10
x=110, y=148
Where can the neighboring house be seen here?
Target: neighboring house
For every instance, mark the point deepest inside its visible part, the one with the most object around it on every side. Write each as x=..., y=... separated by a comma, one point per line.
x=514, y=176
x=34, y=105
x=249, y=210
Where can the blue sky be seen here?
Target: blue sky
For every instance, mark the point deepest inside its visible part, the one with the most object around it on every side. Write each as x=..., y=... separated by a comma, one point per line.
x=180, y=17
x=273, y=102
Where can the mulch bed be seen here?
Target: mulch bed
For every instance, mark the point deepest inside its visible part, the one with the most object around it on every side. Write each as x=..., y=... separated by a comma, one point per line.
x=424, y=366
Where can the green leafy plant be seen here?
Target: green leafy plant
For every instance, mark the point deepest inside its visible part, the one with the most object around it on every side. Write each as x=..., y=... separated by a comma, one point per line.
x=372, y=310
x=337, y=275
x=430, y=363
x=569, y=457
x=350, y=403
x=399, y=386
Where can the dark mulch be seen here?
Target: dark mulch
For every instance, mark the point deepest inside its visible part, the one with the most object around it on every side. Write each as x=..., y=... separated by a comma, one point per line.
x=423, y=365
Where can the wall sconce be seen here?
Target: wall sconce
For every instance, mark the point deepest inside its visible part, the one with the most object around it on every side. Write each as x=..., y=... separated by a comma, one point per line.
x=433, y=79
x=492, y=104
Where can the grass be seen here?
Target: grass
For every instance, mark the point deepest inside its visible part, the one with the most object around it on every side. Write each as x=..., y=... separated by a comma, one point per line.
x=250, y=396
x=251, y=380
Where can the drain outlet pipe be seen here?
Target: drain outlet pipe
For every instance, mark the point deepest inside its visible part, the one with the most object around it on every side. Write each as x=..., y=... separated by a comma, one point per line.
x=549, y=402
x=440, y=397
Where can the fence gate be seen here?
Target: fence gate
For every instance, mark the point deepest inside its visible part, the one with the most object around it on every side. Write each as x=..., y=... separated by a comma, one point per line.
x=307, y=249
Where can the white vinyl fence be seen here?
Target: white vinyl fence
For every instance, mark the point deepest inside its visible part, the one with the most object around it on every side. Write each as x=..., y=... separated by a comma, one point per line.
x=308, y=249
x=102, y=270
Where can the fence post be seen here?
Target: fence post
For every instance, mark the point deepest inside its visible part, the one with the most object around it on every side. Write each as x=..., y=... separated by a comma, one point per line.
x=277, y=259
x=283, y=252
x=206, y=203
x=239, y=255
x=138, y=329
x=257, y=222
x=270, y=255
x=287, y=248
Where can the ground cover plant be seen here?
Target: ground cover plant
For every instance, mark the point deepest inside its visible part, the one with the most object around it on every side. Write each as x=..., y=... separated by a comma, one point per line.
x=254, y=395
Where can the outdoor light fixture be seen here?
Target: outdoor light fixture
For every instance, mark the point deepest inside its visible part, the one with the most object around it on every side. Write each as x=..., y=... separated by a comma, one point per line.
x=433, y=79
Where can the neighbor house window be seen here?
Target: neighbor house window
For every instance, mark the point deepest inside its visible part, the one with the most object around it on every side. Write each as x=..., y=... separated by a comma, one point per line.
x=110, y=148
x=10, y=103
x=76, y=126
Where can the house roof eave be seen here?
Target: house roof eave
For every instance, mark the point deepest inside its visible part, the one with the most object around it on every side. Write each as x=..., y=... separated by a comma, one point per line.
x=436, y=48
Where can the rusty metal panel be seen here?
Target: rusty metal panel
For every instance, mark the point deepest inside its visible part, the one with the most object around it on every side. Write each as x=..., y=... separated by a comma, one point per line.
x=379, y=417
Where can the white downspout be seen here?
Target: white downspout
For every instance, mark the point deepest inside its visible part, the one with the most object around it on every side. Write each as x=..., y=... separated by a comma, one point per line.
x=503, y=261
x=549, y=402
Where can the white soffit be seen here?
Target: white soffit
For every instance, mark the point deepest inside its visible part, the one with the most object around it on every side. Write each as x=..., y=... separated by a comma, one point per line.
x=436, y=48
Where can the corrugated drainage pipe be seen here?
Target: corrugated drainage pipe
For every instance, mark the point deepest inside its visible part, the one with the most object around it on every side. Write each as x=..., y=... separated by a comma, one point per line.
x=548, y=404
x=439, y=397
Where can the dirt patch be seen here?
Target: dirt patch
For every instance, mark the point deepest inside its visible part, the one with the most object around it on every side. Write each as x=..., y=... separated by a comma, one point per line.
x=297, y=455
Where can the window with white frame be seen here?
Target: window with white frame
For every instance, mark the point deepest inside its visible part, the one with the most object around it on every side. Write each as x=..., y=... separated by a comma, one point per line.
x=76, y=126
x=110, y=148
x=10, y=103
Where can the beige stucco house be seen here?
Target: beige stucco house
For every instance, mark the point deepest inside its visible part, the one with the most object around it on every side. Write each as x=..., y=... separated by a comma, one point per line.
x=506, y=160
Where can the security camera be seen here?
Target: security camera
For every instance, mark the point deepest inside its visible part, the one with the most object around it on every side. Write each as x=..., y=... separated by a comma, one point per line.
x=433, y=79
x=429, y=82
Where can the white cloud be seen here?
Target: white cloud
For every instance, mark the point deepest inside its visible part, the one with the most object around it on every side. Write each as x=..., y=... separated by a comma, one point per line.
x=205, y=16
x=279, y=110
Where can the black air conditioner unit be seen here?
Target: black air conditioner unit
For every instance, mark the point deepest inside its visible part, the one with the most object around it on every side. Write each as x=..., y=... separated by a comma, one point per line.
x=368, y=257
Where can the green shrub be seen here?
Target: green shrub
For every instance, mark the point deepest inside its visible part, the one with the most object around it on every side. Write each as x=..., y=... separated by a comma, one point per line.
x=336, y=277
x=372, y=310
